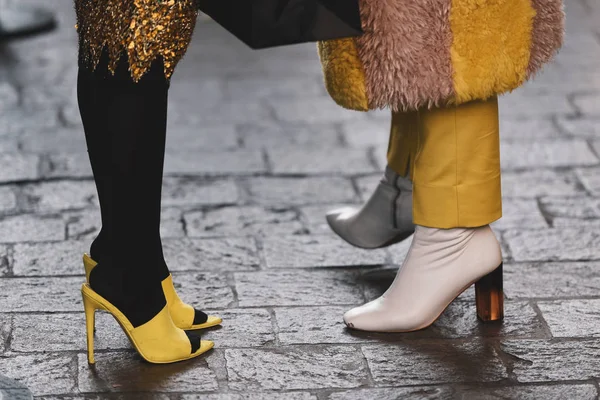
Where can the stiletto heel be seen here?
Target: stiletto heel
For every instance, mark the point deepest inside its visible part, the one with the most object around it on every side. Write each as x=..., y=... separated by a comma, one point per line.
x=90, y=325
x=158, y=341
x=489, y=295
x=183, y=314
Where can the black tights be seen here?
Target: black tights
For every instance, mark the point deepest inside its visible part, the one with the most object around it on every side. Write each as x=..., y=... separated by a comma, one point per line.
x=125, y=130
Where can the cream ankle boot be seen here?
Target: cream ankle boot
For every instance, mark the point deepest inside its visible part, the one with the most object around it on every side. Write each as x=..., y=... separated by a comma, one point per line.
x=385, y=219
x=440, y=265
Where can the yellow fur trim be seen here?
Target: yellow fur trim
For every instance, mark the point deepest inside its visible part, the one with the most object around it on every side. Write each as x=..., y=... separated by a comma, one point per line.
x=344, y=73
x=491, y=46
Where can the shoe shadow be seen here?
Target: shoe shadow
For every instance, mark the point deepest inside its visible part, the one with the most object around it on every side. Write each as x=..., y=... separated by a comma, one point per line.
x=127, y=372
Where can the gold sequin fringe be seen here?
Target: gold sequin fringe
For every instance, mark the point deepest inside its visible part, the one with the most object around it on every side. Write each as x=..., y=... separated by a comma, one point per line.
x=144, y=29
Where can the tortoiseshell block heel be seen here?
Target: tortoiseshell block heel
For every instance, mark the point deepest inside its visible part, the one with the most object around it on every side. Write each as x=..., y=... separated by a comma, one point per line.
x=489, y=295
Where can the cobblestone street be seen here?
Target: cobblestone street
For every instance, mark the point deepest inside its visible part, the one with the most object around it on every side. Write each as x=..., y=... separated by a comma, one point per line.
x=256, y=154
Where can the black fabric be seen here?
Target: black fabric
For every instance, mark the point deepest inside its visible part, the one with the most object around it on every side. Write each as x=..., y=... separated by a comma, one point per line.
x=125, y=128
x=269, y=23
x=194, y=341
x=200, y=317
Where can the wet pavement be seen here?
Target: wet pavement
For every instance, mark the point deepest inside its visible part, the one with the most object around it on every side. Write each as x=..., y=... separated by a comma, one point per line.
x=257, y=153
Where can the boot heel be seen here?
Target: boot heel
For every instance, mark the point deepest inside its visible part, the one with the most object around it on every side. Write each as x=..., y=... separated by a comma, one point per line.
x=489, y=295
x=90, y=327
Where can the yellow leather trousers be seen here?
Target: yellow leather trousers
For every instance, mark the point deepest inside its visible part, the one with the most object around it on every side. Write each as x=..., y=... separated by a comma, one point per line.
x=452, y=155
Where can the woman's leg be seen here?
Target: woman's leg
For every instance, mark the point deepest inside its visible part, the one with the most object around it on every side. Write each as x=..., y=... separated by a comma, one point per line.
x=126, y=148
x=122, y=96
x=386, y=218
x=456, y=188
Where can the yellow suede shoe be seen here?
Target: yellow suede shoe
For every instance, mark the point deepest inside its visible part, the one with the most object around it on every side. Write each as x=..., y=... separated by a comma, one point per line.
x=158, y=341
x=182, y=314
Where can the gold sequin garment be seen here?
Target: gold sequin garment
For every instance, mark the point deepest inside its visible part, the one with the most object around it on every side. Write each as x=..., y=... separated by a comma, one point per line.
x=144, y=29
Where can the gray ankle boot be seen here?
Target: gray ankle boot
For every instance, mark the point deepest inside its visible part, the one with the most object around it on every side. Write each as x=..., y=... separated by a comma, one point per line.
x=385, y=219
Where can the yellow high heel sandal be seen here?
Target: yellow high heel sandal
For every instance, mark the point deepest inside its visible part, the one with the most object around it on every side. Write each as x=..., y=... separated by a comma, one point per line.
x=181, y=313
x=158, y=341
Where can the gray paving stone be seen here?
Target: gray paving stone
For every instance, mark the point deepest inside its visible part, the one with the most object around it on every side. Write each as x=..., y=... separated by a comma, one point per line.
x=314, y=217
x=67, y=165
x=123, y=372
x=42, y=373
x=5, y=260
x=220, y=112
x=240, y=221
x=16, y=394
x=313, y=109
x=252, y=396
x=298, y=161
x=263, y=88
x=531, y=392
x=544, y=361
x=19, y=121
x=83, y=224
x=571, y=207
x=572, y=318
x=18, y=167
x=376, y=281
x=588, y=104
x=31, y=228
x=6, y=383
x=284, y=135
x=590, y=177
x=8, y=199
x=537, y=104
x=186, y=92
x=40, y=294
x=65, y=332
x=171, y=224
x=400, y=250
x=242, y=328
x=421, y=393
x=8, y=144
x=419, y=364
x=223, y=254
x=367, y=132
x=304, y=325
x=300, y=191
x=48, y=259
x=555, y=153
x=5, y=330
x=565, y=244
x=548, y=280
x=544, y=182
x=316, y=251
x=520, y=213
x=366, y=185
x=297, y=288
x=592, y=224
x=9, y=97
x=59, y=195
x=580, y=127
x=241, y=162
x=182, y=191
x=57, y=141
x=200, y=138
x=110, y=396
x=527, y=129
x=295, y=368
x=204, y=291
